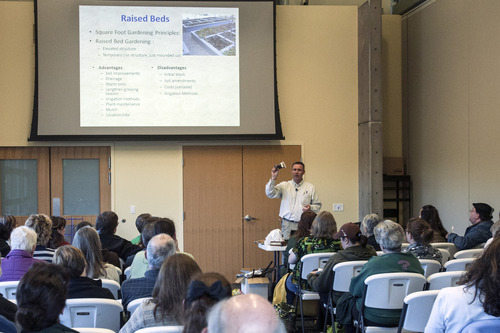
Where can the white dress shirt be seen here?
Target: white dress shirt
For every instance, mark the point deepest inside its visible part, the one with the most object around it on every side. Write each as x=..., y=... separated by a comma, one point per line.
x=293, y=197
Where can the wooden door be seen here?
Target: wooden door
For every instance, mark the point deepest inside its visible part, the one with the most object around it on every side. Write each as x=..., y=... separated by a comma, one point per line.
x=101, y=156
x=221, y=185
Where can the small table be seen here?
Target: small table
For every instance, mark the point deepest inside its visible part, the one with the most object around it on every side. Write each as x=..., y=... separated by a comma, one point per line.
x=277, y=252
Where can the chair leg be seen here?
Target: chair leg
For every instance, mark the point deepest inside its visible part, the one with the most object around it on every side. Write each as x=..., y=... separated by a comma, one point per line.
x=326, y=314
x=301, y=312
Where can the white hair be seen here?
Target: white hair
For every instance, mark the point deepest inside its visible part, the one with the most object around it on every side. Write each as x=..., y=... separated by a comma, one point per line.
x=23, y=238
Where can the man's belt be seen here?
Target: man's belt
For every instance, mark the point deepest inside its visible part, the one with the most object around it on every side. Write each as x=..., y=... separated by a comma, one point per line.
x=289, y=220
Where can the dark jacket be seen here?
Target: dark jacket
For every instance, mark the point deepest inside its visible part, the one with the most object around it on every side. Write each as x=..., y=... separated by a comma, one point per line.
x=122, y=247
x=474, y=235
x=56, y=328
x=84, y=287
x=322, y=282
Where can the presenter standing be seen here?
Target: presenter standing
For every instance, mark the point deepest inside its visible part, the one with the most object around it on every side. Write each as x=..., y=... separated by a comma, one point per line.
x=297, y=196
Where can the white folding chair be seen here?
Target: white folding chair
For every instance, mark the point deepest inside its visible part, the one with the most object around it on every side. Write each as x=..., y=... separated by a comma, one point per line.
x=445, y=254
x=417, y=310
x=472, y=253
x=92, y=330
x=8, y=289
x=387, y=291
x=404, y=246
x=113, y=286
x=92, y=312
x=309, y=263
x=450, y=247
x=458, y=264
x=380, y=253
x=442, y=280
x=344, y=272
x=133, y=305
x=127, y=272
x=430, y=266
x=161, y=329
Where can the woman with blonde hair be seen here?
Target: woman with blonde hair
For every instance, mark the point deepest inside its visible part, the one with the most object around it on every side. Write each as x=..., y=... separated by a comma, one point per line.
x=41, y=224
x=165, y=308
x=87, y=240
x=321, y=240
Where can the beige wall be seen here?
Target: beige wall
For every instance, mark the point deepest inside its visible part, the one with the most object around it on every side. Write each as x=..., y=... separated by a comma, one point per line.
x=317, y=83
x=453, y=106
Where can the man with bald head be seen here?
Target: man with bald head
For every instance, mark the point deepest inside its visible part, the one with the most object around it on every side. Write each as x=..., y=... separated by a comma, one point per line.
x=244, y=314
x=159, y=248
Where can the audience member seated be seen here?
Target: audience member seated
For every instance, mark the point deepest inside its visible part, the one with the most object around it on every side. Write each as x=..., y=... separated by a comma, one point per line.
x=303, y=230
x=475, y=299
x=479, y=232
x=244, y=313
x=419, y=234
x=107, y=256
x=160, y=247
x=7, y=224
x=390, y=236
x=203, y=293
x=140, y=222
x=321, y=240
x=20, y=258
x=367, y=225
x=354, y=246
x=495, y=232
x=7, y=326
x=7, y=308
x=41, y=298
x=87, y=240
x=165, y=308
x=106, y=224
x=41, y=224
x=431, y=215
x=154, y=227
x=79, y=285
x=57, y=232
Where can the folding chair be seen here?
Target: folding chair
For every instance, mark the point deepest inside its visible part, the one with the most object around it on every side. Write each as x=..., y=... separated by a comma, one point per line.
x=8, y=289
x=92, y=312
x=438, y=281
x=133, y=305
x=472, y=253
x=310, y=262
x=445, y=254
x=450, y=247
x=430, y=266
x=161, y=329
x=417, y=310
x=387, y=291
x=113, y=286
x=344, y=272
x=458, y=264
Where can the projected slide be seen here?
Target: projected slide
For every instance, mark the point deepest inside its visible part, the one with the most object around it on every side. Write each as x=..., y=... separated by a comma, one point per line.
x=159, y=66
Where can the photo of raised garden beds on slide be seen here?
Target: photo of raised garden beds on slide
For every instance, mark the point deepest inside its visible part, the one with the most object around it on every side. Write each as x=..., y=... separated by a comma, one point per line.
x=209, y=35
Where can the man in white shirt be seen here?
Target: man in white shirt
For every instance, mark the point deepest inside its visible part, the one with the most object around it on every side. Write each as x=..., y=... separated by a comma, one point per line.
x=297, y=196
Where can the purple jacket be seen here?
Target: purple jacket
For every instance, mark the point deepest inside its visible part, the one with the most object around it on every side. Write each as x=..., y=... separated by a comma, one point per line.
x=16, y=264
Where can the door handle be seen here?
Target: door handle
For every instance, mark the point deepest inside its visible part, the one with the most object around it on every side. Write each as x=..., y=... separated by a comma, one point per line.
x=249, y=218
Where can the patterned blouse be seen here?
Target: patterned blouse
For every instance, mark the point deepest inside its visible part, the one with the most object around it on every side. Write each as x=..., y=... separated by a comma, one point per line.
x=424, y=251
x=308, y=245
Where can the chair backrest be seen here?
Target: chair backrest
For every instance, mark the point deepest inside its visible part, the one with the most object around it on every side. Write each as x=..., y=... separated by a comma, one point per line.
x=450, y=247
x=133, y=305
x=472, y=253
x=458, y=264
x=430, y=266
x=127, y=272
x=404, y=246
x=313, y=261
x=112, y=285
x=445, y=254
x=92, y=330
x=344, y=272
x=161, y=329
x=388, y=290
x=380, y=253
x=92, y=312
x=417, y=310
x=442, y=280
x=8, y=289
x=483, y=326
